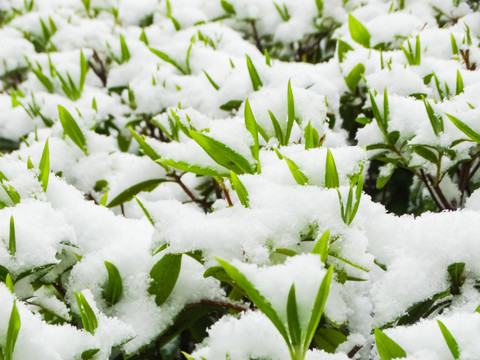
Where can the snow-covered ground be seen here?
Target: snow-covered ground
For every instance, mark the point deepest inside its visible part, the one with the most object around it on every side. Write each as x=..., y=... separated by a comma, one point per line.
x=148, y=143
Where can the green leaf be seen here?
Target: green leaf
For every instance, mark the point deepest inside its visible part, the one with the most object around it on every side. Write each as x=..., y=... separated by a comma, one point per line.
x=254, y=77
x=321, y=246
x=228, y=7
x=319, y=4
x=286, y=252
x=459, y=84
x=240, y=189
x=222, y=154
x=231, y=105
x=358, y=32
x=354, y=77
x=254, y=295
x=129, y=193
x=387, y=348
x=331, y=174
x=292, y=318
x=298, y=175
x=252, y=127
x=426, y=153
x=342, y=49
x=88, y=354
x=168, y=59
x=467, y=130
x=12, y=242
x=145, y=211
x=164, y=276
x=277, y=128
x=44, y=167
x=454, y=45
x=435, y=120
x=113, y=288
x=329, y=339
x=146, y=149
x=386, y=172
x=382, y=124
x=450, y=340
x=290, y=112
x=89, y=320
x=12, y=332
x=214, y=84
x=125, y=53
x=9, y=283
x=71, y=129
x=318, y=307
x=311, y=136
x=196, y=169
x=83, y=74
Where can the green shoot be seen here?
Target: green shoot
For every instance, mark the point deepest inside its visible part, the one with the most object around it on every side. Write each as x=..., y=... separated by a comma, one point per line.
x=349, y=210
x=12, y=333
x=71, y=129
x=164, y=275
x=298, y=174
x=290, y=112
x=413, y=56
x=321, y=246
x=467, y=130
x=112, y=291
x=283, y=11
x=254, y=77
x=353, y=78
x=240, y=189
x=252, y=127
x=145, y=211
x=387, y=348
x=450, y=340
x=331, y=174
x=44, y=167
x=12, y=240
x=312, y=138
x=358, y=32
x=214, y=84
x=130, y=193
x=89, y=319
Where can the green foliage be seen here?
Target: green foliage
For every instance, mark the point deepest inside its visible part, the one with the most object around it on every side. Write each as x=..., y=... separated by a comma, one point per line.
x=290, y=112
x=89, y=319
x=387, y=348
x=450, y=340
x=12, y=240
x=12, y=333
x=240, y=189
x=354, y=77
x=71, y=129
x=349, y=210
x=322, y=245
x=358, y=32
x=467, y=130
x=331, y=174
x=113, y=288
x=129, y=194
x=44, y=167
x=164, y=275
x=254, y=77
x=297, y=174
x=414, y=56
x=329, y=339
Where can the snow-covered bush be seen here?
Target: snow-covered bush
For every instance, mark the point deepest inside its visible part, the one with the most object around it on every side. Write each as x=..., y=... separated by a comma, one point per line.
x=239, y=179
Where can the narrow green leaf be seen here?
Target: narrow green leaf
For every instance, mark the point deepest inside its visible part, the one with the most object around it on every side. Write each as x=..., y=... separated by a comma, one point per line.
x=145, y=211
x=89, y=319
x=329, y=339
x=268, y=61
x=386, y=110
x=146, y=149
x=298, y=175
x=231, y=105
x=459, y=84
x=457, y=278
x=129, y=193
x=143, y=37
x=277, y=128
x=319, y=4
x=254, y=77
x=252, y=127
x=193, y=168
x=286, y=252
x=168, y=59
x=358, y=32
x=83, y=74
x=164, y=276
x=214, y=84
x=354, y=77
x=12, y=332
x=71, y=129
x=467, y=130
x=331, y=174
x=125, y=53
x=450, y=340
x=9, y=283
x=222, y=154
x=321, y=246
x=378, y=117
x=12, y=241
x=103, y=200
x=290, y=112
x=113, y=288
x=44, y=167
x=311, y=136
x=435, y=120
x=292, y=318
x=387, y=348
x=257, y=298
x=454, y=45
x=240, y=189
x=426, y=153
x=318, y=307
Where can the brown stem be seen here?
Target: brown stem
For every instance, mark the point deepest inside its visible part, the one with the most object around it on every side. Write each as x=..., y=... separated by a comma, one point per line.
x=354, y=351
x=258, y=42
x=100, y=71
x=59, y=289
x=425, y=181
x=466, y=58
x=224, y=304
x=440, y=194
x=227, y=195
